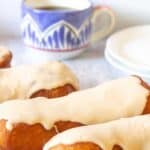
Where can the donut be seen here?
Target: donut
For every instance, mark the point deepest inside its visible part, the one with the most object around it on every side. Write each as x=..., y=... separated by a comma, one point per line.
x=51, y=80
x=124, y=134
x=30, y=124
x=5, y=57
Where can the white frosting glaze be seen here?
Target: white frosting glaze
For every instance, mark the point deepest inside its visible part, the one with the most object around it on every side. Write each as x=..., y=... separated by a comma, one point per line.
x=23, y=81
x=112, y=100
x=130, y=134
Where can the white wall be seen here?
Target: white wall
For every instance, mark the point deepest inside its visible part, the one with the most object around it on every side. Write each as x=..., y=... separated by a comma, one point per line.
x=9, y=17
x=129, y=12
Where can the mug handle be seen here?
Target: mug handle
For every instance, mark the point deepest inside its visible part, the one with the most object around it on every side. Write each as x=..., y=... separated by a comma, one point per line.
x=100, y=33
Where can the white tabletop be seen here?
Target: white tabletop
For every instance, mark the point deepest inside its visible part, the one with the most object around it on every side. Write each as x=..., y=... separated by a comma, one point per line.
x=91, y=67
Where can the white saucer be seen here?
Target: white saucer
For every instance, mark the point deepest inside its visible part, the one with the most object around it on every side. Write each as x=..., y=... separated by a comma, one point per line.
x=124, y=69
x=129, y=50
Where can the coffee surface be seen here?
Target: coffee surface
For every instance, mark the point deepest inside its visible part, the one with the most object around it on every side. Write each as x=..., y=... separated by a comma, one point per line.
x=54, y=8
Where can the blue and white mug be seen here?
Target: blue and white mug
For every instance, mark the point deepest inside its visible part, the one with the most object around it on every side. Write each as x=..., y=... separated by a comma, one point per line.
x=66, y=31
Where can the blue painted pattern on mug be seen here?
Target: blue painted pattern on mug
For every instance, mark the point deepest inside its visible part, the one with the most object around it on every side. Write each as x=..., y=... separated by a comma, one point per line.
x=61, y=35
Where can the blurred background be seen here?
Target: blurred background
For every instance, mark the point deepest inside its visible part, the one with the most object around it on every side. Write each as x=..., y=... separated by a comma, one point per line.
x=128, y=12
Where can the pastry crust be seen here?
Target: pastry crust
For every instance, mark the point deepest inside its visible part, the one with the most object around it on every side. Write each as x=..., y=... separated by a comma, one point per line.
x=29, y=137
x=147, y=106
x=82, y=146
x=78, y=146
x=51, y=79
x=53, y=93
x=32, y=123
x=5, y=58
x=124, y=134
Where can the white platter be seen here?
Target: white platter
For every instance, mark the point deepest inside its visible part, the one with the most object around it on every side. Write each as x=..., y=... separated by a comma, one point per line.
x=123, y=69
x=128, y=51
x=131, y=47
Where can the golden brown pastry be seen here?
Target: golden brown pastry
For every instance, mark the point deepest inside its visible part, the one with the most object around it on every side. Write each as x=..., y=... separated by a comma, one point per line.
x=29, y=137
x=5, y=57
x=52, y=79
x=124, y=134
x=28, y=125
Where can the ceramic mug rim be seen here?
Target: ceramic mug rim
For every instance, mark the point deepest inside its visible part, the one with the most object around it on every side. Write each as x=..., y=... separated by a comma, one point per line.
x=38, y=10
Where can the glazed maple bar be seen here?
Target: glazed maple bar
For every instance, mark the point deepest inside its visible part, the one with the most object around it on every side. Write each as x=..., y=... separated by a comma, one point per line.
x=51, y=79
x=124, y=134
x=29, y=124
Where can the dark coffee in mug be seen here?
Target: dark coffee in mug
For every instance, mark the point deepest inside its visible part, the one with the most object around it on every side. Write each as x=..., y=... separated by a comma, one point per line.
x=54, y=8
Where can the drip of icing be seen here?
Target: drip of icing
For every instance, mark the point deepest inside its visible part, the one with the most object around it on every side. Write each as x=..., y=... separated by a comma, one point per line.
x=112, y=100
x=130, y=134
x=21, y=82
x=9, y=126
